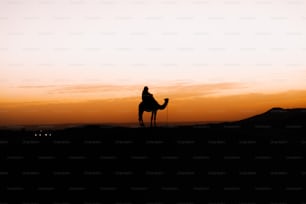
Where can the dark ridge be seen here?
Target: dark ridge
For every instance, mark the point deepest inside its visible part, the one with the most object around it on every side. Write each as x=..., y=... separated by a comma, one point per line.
x=277, y=117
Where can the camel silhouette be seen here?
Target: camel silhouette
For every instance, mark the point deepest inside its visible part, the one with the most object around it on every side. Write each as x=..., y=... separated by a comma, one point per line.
x=152, y=107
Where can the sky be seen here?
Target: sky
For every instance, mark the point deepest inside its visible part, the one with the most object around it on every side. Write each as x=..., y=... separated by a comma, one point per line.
x=77, y=61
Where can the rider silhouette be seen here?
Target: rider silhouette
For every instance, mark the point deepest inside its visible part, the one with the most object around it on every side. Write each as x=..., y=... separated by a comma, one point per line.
x=147, y=97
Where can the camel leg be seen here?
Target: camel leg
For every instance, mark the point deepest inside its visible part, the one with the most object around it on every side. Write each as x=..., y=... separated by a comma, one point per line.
x=152, y=116
x=141, y=123
x=140, y=113
x=155, y=113
x=153, y=119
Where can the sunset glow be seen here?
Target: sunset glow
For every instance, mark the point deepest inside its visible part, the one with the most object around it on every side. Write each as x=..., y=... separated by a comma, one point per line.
x=66, y=61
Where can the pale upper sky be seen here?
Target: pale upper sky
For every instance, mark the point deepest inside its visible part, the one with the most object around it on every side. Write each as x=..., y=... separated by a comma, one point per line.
x=54, y=47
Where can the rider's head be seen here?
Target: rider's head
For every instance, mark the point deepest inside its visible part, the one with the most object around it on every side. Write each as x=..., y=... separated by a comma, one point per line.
x=146, y=88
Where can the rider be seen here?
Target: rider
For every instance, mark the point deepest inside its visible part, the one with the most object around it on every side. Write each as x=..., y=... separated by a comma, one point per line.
x=147, y=97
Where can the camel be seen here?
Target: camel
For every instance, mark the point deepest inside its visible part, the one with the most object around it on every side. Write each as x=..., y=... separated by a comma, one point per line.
x=153, y=108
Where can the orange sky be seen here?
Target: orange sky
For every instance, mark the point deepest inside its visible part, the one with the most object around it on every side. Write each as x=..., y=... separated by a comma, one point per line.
x=87, y=61
x=183, y=107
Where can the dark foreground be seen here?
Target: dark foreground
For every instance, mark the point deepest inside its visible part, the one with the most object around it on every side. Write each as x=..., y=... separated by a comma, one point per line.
x=201, y=164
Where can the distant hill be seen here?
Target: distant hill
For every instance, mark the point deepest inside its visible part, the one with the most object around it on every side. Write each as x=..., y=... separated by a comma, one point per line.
x=276, y=117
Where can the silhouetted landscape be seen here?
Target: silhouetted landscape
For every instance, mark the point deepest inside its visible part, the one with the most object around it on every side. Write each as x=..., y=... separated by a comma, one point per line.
x=274, y=118
x=256, y=157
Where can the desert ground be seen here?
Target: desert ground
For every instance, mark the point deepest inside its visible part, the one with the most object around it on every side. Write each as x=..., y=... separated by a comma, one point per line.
x=236, y=162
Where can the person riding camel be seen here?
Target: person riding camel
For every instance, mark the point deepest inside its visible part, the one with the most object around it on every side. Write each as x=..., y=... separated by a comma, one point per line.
x=147, y=97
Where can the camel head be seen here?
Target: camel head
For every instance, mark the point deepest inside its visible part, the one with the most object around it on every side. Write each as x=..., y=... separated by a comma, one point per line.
x=163, y=106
